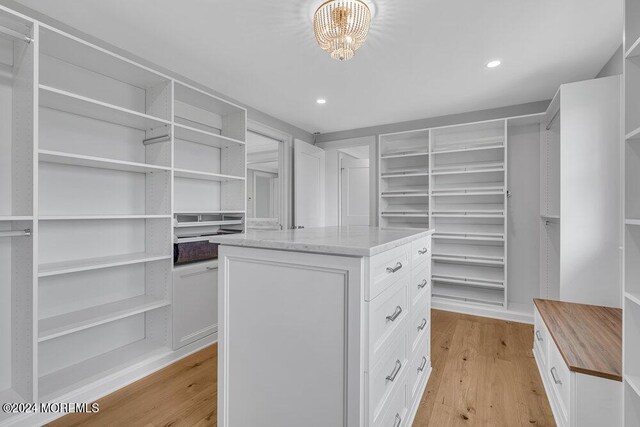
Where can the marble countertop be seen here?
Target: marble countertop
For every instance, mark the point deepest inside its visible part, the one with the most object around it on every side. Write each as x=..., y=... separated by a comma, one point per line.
x=351, y=241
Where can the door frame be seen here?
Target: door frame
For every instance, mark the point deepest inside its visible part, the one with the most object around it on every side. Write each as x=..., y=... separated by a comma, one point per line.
x=341, y=157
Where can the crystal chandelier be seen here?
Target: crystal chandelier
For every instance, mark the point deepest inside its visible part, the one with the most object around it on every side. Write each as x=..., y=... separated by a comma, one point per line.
x=341, y=27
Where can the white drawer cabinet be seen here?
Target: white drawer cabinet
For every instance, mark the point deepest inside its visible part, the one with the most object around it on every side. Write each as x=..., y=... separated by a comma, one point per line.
x=312, y=338
x=195, y=302
x=577, y=399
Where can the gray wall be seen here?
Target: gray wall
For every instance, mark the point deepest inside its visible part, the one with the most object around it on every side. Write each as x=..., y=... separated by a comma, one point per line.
x=252, y=113
x=613, y=66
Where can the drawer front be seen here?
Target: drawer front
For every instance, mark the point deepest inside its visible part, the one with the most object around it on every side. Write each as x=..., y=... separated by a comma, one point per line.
x=387, y=376
x=420, y=324
x=396, y=409
x=560, y=379
x=420, y=250
x=418, y=368
x=387, y=317
x=541, y=337
x=195, y=302
x=420, y=282
x=387, y=268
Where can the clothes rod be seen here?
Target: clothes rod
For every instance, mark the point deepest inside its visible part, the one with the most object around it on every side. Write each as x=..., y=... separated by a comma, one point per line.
x=15, y=34
x=16, y=233
x=156, y=139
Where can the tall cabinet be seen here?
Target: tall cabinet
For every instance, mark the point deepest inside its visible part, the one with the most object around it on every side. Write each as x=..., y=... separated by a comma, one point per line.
x=579, y=196
x=631, y=167
x=104, y=165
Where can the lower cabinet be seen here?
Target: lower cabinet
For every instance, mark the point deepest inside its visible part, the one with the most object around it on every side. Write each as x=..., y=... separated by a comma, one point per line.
x=195, y=302
x=576, y=399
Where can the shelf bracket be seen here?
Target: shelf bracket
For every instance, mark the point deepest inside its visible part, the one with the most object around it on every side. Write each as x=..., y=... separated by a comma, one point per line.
x=157, y=139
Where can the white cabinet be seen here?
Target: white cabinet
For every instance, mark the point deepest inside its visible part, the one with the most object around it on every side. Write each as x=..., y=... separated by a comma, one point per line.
x=321, y=340
x=577, y=399
x=580, y=194
x=195, y=302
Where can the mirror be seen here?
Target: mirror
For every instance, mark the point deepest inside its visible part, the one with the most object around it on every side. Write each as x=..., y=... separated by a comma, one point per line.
x=263, y=180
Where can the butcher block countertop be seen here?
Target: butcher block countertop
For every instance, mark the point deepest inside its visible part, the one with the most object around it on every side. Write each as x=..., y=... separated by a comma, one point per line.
x=589, y=337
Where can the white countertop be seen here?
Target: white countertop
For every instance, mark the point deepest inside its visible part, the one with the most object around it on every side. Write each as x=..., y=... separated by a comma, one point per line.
x=352, y=241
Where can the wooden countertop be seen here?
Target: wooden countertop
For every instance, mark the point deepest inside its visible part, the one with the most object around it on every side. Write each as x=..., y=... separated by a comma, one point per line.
x=589, y=337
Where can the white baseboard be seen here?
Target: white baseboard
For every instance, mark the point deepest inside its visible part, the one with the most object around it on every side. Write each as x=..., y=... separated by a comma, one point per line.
x=107, y=385
x=476, y=310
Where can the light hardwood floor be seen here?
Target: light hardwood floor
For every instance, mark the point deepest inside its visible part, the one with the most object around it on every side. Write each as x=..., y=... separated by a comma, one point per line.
x=483, y=374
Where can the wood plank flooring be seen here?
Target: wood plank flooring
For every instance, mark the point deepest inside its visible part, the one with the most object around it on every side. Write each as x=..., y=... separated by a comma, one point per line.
x=483, y=374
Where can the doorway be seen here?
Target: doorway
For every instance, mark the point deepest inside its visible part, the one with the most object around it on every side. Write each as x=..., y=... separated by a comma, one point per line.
x=354, y=184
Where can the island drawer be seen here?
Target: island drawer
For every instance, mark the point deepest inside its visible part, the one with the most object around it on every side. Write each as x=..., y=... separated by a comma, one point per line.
x=420, y=283
x=420, y=250
x=418, y=367
x=387, y=268
x=420, y=323
x=387, y=318
x=387, y=375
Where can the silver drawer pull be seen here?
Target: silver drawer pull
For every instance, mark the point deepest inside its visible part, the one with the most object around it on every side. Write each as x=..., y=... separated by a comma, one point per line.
x=424, y=363
x=555, y=378
x=422, y=284
x=394, y=269
x=422, y=325
x=395, y=314
x=422, y=251
x=538, y=335
x=397, y=421
x=212, y=268
x=394, y=374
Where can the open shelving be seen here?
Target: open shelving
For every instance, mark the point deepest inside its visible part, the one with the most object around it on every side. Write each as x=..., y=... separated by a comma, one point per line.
x=469, y=213
x=102, y=158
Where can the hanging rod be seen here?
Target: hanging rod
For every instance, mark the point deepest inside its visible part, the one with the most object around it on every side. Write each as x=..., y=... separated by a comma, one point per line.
x=15, y=34
x=16, y=233
x=157, y=139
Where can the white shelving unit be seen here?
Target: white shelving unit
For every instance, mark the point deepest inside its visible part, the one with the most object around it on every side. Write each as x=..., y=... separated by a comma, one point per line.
x=455, y=179
x=404, y=180
x=18, y=231
x=579, y=203
x=631, y=214
x=99, y=159
x=468, y=193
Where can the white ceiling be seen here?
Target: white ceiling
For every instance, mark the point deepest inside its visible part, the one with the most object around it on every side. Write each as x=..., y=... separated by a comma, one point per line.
x=423, y=58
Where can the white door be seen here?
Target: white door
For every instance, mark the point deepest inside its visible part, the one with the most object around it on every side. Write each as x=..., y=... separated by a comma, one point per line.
x=308, y=185
x=354, y=188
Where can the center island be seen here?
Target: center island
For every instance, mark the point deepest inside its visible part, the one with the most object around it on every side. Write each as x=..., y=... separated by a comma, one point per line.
x=323, y=326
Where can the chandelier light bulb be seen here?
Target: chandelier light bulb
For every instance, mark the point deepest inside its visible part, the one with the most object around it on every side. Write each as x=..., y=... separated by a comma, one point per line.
x=341, y=27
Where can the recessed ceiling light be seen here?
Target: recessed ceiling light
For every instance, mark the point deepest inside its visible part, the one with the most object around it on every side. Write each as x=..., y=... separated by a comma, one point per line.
x=321, y=101
x=493, y=64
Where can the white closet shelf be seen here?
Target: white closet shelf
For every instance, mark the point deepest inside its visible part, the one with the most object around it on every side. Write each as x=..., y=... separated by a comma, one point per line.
x=404, y=154
x=491, y=276
x=469, y=295
x=99, y=217
x=471, y=211
x=75, y=376
x=16, y=218
x=66, y=267
x=82, y=106
x=64, y=324
x=464, y=168
x=633, y=136
x=196, y=212
x=404, y=175
x=403, y=195
x=634, y=383
x=555, y=219
x=208, y=223
x=470, y=232
x=191, y=134
x=469, y=189
x=406, y=214
x=634, y=50
x=206, y=176
x=632, y=221
x=97, y=162
x=471, y=254
x=472, y=145
x=634, y=297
